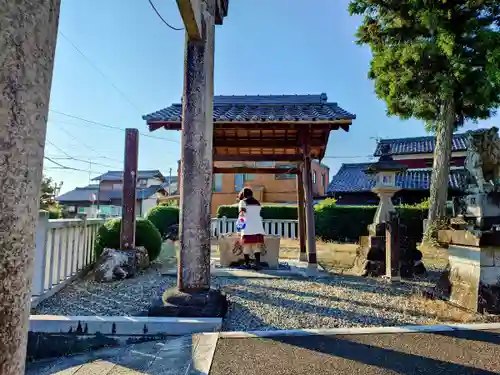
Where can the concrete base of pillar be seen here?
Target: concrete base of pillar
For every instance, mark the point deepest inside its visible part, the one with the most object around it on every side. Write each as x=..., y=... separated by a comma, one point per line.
x=211, y=303
x=303, y=257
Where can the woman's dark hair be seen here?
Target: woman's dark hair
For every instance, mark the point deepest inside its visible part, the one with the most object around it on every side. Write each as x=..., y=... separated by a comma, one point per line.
x=245, y=193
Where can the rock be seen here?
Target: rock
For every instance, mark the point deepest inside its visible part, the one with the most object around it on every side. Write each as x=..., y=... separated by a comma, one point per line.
x=120, y=264
x=142, y=257
x=211, y=303
x=172, y=233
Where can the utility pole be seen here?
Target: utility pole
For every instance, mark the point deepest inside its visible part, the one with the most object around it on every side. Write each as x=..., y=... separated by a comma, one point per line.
x=28, y=35
x=169, y=181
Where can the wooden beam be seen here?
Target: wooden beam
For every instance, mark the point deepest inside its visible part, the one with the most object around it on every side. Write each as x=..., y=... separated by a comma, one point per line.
x=255, y=170
x=265, y=143
x=263, y=157
x=191, y=13
x=264, y=125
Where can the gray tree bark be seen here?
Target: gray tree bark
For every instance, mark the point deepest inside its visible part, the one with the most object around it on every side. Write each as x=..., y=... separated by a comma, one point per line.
x=28, y=33
x=440, y=168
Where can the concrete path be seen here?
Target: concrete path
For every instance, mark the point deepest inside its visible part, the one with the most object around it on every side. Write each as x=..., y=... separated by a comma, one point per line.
x=437, y=353
x=174, y=356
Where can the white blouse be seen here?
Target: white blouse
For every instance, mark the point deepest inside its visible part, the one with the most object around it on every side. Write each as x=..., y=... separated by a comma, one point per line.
x=253, y=220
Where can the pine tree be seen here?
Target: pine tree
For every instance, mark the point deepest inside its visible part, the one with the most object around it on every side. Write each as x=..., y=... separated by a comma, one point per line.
x=436, y=61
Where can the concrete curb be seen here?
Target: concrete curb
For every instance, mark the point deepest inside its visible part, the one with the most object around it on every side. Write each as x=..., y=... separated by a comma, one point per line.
x=203, y=354
x=360, y=331
x=122, y=325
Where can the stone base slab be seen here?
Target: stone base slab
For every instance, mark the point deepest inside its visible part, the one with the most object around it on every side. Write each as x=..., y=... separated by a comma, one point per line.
x=231, y=253
x=473, y=278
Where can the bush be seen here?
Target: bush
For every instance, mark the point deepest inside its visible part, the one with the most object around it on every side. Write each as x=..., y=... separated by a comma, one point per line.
x=163, y=217
x=278, y=212
x=146, y=235
x=348, y=223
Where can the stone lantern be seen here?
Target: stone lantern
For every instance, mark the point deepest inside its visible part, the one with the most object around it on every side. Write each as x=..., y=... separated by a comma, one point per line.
x=384, y=173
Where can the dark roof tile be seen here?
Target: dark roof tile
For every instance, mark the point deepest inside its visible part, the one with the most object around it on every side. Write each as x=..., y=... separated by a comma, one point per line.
x=263, y=108
x=118, y=175
x=419, y=145
x=351, y=178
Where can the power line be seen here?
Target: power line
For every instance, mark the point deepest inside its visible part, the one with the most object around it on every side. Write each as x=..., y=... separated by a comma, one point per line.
x=165, y=22
x=87, y=146
x=108, y=126
x=101, y=73
x=78, y=159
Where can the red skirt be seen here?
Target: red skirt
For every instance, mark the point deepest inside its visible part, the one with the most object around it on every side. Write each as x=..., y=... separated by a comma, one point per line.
x=249, y=239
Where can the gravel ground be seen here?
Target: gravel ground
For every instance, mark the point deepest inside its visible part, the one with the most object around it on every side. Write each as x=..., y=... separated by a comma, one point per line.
x=266, y=304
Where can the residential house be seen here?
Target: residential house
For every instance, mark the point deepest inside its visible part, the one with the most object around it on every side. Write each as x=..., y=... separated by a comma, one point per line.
x=105, y=196
x=268, y=188
x=352, y=186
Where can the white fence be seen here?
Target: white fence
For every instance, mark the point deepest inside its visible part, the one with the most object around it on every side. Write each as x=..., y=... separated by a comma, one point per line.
x=283, y=228
x=64, y=248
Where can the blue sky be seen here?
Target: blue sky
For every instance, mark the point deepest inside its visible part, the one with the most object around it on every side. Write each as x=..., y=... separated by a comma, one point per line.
x=133, y=65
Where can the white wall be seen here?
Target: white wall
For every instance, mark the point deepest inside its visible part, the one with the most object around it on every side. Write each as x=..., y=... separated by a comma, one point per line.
x=148, y=204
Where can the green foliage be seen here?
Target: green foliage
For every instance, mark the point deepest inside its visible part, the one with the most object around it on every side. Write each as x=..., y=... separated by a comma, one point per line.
x=146, y=235
x=422, y=205
x=281, y=212
x=163, y=217
x=55, y=211
x=348, y=223
x=428, y=53
x=48, y=191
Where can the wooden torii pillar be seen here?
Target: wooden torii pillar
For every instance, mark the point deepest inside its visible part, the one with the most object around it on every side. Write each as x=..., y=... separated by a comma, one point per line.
x=301, y=216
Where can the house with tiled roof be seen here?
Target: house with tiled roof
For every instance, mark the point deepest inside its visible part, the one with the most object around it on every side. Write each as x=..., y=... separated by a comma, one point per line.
x=245, y=118
x=352, y=186
x=104, y=196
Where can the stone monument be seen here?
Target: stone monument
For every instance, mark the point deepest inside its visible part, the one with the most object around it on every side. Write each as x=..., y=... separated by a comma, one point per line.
x=472, y=279
x=372, y=259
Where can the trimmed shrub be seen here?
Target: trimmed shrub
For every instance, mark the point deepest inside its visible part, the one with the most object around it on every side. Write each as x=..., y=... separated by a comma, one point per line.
x=163, y=218
x=348, y=223
x=146, y=235
x=278, y=212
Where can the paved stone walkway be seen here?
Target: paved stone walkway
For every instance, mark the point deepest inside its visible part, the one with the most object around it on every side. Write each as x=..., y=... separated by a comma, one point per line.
x=438, y=353
x=174, y=356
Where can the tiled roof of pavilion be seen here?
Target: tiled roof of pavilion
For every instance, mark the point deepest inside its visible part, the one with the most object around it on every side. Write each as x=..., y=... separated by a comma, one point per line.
x=351, y=178
x=420, y=145
x=286, y=108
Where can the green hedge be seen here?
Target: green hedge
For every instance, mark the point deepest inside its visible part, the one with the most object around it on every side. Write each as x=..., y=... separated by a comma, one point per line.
x=279, y=212
x=338, y=223
x=163, y=217
x=146, y=235
x=348, y=223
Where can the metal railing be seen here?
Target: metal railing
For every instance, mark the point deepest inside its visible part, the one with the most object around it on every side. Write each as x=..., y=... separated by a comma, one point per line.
x=283, y=228
x=64, y=248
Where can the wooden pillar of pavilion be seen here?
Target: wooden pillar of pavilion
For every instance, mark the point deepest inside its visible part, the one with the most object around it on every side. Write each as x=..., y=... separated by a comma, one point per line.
x=308, y=194
x=301, y=216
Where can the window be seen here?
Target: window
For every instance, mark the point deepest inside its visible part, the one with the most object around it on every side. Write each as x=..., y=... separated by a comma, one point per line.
x=239, y=181
x=263, y=164
x=249, y=177
x=117, y=186
x=285, y=176
x=217, y=183
x=142, y=182
x=323, y=179
x=314, y=177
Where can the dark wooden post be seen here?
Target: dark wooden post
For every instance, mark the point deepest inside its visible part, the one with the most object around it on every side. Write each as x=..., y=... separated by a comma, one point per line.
x=301, y=216
x=197, y=159
x=392, y=249
x=307, y=179
x=127, y=236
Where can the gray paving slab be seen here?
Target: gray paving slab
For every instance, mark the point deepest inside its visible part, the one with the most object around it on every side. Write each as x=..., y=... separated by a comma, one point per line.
x=167, y=357
x=439, y=353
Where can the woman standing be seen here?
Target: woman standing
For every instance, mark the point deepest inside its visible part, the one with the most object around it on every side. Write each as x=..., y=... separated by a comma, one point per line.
x=252, y=236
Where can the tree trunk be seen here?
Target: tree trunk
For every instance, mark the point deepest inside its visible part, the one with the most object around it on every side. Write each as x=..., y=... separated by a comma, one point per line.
x=28, y=33
x=441, y=168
